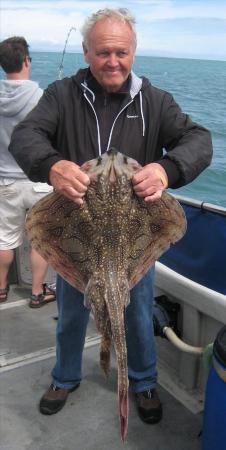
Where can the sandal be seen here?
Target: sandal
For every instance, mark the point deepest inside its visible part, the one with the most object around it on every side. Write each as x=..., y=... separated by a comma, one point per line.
x=4, y=294
x=47, y=296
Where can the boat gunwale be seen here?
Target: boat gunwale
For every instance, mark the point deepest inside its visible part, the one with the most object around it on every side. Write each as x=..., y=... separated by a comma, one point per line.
x=201, y=205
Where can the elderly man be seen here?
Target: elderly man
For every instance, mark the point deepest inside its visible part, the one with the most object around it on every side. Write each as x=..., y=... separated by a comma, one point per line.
x=79, y=118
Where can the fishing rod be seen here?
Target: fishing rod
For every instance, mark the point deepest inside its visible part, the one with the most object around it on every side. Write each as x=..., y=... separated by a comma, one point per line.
x=61, y=67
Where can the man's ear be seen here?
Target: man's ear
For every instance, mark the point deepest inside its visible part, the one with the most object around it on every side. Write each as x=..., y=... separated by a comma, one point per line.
x=85, y=52
x=26, y=62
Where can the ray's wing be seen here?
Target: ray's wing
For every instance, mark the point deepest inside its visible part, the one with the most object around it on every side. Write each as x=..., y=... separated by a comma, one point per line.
x=153, y=228
x=57, y=230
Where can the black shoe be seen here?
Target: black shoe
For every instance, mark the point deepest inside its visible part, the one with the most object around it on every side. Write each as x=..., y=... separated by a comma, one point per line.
x=54, y=399
x=149, y=406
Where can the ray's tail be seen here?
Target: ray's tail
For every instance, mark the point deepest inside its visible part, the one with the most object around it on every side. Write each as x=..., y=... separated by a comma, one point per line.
x=123, y=384
x=116, y=299
x=105, y=354
x=123, y=411
x=109, y=316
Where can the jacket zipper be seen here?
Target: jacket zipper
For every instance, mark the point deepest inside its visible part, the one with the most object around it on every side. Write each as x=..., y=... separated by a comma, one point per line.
x=110, y=135
x=97, y=123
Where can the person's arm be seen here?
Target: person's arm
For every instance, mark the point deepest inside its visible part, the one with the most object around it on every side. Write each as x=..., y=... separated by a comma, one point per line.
x=188, y=152
x=32, y=141
x=188, y=145
x=32, y=145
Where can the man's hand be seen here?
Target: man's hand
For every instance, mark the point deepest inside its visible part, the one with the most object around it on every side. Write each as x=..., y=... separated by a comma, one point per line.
x=150, y=182
x=68, y=179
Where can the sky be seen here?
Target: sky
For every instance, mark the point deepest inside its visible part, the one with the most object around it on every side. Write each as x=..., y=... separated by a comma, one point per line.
x=171, y=28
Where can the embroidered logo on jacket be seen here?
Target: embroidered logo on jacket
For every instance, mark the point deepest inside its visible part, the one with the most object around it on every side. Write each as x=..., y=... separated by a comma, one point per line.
x=131, y=117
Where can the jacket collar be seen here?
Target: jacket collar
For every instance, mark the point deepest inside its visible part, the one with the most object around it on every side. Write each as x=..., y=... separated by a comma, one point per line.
x=132, y=85
x=93, y=84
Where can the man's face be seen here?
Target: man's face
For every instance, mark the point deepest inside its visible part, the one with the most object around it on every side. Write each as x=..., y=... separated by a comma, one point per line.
x=110, y=53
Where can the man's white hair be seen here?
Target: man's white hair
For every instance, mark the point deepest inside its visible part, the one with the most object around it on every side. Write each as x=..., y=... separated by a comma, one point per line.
x=120, y=14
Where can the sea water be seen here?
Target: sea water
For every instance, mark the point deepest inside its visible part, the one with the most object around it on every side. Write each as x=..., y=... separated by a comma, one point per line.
x=198, y=86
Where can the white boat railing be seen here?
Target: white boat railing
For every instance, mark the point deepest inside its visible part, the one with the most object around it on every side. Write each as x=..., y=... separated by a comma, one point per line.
x=201, y=205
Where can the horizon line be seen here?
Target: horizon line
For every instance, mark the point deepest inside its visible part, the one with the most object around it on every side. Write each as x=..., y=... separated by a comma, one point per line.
x=200, y=58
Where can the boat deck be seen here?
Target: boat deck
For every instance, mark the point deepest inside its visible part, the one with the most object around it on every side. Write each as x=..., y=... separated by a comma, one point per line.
x=89, y=420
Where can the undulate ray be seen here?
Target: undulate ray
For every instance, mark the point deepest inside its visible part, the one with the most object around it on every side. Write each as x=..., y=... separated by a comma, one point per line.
x=105, y=246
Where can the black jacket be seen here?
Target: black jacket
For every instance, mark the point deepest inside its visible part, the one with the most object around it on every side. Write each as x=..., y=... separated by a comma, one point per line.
x=149, y=127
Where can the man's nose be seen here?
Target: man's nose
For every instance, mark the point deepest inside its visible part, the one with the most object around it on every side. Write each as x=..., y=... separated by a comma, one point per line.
x=112, y=60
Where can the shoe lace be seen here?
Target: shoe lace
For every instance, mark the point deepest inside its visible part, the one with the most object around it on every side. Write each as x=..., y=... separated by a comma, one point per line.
x=148, y=393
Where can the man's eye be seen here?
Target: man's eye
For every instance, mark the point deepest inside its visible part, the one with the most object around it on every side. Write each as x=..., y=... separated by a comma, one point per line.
x=122, y=53
x=103, y=53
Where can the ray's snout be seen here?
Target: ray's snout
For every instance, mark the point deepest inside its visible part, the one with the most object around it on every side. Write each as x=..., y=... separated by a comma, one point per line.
x=115, y=164
x=111, y=165
x=112, y=151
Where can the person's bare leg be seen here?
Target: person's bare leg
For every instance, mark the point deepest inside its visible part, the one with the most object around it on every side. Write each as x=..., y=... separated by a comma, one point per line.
x=6, y=259
x=39, y=269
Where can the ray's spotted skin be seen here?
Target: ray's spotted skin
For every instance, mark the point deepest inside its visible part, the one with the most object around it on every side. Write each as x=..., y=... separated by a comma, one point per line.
x=105, y=246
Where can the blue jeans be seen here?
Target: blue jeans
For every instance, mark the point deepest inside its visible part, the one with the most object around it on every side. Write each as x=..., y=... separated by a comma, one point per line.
x=71, y=331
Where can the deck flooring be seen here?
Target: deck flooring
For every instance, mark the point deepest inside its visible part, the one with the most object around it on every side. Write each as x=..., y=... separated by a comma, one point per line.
x=89, y=420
